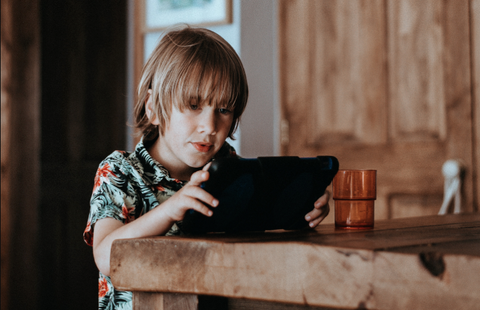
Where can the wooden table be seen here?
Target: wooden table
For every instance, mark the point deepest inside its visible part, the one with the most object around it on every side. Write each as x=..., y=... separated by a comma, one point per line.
x=412, y=263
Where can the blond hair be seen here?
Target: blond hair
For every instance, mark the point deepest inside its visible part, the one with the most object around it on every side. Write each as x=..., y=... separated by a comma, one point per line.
x=191, y=63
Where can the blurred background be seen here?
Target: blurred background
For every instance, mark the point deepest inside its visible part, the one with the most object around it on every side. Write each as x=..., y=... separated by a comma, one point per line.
x=392, y=85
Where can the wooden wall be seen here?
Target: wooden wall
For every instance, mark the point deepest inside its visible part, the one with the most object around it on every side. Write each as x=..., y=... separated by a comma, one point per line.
x=63, y=108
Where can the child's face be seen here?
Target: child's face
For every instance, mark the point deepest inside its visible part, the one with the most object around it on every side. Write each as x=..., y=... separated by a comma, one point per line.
x=192, y=137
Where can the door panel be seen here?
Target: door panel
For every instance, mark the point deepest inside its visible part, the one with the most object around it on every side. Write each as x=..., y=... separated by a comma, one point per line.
x=416, y=88
x=347, y=44
x=381, y=85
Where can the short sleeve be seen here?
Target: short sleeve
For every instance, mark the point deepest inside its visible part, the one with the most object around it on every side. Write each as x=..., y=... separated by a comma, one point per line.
x=112, y=197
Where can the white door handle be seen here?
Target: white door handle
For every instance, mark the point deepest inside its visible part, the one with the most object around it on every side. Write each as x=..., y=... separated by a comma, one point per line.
x=452, y=171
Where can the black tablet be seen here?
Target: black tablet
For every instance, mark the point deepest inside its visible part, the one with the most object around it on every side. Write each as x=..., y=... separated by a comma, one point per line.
x=263, y=193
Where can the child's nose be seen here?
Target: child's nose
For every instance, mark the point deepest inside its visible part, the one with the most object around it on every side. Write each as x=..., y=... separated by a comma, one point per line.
x=208, y=122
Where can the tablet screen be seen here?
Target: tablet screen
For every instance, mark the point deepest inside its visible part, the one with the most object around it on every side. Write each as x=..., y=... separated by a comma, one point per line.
x=262, y=193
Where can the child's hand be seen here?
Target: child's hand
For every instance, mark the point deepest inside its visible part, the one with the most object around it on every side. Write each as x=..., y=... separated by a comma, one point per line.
x=320, y=210
x=191, y=196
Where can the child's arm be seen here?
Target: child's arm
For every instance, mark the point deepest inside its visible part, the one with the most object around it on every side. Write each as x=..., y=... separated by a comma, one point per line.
x=320, y=210
x=153, y=223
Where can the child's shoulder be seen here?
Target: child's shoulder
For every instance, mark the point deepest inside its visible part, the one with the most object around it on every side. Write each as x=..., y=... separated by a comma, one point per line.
x=132, y=165
x=117, y=158
x=118, y=161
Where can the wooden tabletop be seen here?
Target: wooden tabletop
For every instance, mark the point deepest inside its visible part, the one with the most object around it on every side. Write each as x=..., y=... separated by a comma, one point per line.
x=412, y=263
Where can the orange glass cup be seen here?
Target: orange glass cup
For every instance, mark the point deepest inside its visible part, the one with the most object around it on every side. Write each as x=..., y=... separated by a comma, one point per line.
x=354, y=194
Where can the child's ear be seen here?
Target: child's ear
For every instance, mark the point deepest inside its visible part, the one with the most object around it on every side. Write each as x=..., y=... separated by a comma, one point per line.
x=152, y=116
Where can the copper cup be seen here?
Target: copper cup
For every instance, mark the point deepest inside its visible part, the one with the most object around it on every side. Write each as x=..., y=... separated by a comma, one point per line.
x=354, y=194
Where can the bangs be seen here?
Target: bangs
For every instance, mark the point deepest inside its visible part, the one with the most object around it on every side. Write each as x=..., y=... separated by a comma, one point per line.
x=206, y=87
x=209, y=76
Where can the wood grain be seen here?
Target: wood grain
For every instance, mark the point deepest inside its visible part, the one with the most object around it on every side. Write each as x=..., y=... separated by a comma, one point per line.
x=382, y=85
x=333, y=55
x=458, y=90
x=294, y=47
x=475, y=35
x=348, y=72
x=147, y=300
x=324, y=267
x=415, y=44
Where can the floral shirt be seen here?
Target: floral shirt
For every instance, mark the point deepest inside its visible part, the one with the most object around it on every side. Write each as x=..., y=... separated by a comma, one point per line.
x=126, y=186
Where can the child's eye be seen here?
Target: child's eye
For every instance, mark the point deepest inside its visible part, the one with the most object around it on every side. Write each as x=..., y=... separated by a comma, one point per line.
x=224, y=111
x=194, y=107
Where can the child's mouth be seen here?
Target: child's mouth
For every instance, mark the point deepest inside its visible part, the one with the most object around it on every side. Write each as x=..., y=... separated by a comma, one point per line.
x=202, y=147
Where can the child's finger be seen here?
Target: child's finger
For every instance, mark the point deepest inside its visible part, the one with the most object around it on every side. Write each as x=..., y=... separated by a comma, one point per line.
x=198, y=177
x=200, y=194
x=317, y=221
x=315, y=216
x=317, y=212
x=323, y=200
x=200, y=207
x=205, y=168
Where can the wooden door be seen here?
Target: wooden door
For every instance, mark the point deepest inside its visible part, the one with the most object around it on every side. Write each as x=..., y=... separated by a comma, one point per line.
x=382, y=85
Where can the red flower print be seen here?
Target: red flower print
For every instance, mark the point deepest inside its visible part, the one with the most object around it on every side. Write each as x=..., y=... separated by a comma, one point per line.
x=158, y=187
x=87, y=235
x=126, y=214
x=102, y=287
x=102, y=172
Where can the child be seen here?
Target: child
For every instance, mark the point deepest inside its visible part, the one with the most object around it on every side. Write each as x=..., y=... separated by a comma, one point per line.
x=191, y=95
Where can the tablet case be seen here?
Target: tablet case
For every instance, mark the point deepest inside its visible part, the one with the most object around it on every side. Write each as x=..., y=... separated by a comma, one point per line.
x=263, y=193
